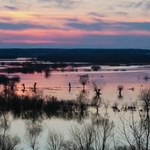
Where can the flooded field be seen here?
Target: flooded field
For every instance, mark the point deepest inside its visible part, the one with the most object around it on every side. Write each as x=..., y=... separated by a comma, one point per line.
x=107, y=79
x=66, y=85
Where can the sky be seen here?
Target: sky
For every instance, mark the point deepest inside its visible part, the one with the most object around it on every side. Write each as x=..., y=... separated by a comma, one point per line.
x=75, y=24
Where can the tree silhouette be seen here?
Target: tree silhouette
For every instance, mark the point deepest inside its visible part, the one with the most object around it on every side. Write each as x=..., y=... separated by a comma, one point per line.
x=120, y=88
x=32, y=136
x=7, y=141
x=55, y=141
x=84, y=80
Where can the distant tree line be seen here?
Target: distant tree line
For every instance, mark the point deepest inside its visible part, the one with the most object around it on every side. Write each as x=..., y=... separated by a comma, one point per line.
x=100, y=56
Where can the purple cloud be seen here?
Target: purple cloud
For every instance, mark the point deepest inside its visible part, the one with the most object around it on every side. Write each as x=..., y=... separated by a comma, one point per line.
x=19, y=26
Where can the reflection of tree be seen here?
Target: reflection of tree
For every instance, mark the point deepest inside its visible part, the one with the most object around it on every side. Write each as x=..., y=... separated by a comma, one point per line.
x=21, y=106
x=120, y=88
x=47, y=72
x=32, y=108
x=36, y=106
x=96, y=89
x=84, y=80
x=69, y=87
x=32, y=112
x=9, y=82
x=96, y=100
x=83, y=103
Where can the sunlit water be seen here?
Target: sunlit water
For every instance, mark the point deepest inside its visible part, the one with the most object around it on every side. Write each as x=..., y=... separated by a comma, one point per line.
x=56, y=85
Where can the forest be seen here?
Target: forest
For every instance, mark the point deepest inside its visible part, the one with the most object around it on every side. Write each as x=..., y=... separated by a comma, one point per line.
x=95, y=56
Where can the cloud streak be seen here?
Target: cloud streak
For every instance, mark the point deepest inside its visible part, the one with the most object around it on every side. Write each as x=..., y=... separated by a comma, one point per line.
x=75, y=23
x=19, y=26
x=11, y=8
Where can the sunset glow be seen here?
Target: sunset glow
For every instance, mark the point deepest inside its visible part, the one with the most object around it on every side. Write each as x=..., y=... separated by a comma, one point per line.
x=75, y=23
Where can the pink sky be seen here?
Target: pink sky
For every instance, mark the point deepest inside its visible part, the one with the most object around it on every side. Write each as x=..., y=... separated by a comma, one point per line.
x=75, y=23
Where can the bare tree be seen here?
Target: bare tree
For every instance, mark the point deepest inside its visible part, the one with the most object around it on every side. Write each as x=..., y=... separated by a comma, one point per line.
x=82, y=138
x=93, y=136
x=145, y=98
x=135, y=131
x=7, y=141
x=103, y=131
x=32, y=136
x=145, y=120
x=131, y=132
x=55, y=141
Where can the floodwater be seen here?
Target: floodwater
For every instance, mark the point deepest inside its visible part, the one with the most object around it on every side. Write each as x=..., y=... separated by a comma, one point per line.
x=57, y=84
x=108, y=80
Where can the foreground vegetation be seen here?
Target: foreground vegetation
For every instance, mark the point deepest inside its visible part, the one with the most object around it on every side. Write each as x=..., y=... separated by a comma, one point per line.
x=99, y=133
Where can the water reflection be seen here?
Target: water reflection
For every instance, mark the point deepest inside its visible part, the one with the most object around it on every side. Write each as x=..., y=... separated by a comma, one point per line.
x=38, y=107
x=7, y=141
x=94, y=134
x=84, y=79
x=120, y=88
x=69, y=87
x=33, y=108
x=58, y=84
x=23, y=88
x=34, y=87
x=47, y=72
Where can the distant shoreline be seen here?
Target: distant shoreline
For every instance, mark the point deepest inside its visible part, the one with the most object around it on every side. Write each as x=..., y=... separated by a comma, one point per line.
x=92, y=56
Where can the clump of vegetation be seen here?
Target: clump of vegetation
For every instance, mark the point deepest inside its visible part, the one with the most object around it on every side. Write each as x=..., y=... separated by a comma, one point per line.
x=36, y=106
x=84, y=80
x=6, y=80
x=95, y=135
x=95, y=67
